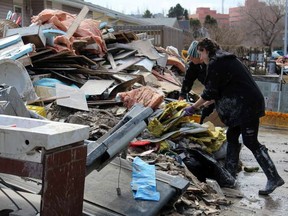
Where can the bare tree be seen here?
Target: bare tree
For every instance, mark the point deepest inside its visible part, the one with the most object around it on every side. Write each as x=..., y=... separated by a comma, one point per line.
x=264, y=22
x=226, y=36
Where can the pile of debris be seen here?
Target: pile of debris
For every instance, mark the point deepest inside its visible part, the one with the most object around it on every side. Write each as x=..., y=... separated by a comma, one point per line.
x=70, y=69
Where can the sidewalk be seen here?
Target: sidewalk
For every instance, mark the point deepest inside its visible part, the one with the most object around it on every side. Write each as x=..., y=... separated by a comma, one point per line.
x=276, y=204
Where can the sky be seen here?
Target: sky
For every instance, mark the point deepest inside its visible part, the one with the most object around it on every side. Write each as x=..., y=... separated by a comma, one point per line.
x=163, y=6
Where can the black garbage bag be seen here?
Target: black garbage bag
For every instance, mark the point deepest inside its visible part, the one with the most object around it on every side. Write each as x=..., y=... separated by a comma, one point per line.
x=203, y=166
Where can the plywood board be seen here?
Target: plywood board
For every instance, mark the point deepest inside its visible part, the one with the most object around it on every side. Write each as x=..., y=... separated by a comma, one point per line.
x=123, y=64
x=124, y=54
x=145, y=48
x=77, y=21
x=144, y=65
x=30, y=34
x=111, y=60
x=96, y=87
x=44, y=91
x=77, y=99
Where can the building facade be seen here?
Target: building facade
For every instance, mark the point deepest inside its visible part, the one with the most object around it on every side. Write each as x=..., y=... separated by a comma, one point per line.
x=236, y=13
x=202, y=12
x=232, y=19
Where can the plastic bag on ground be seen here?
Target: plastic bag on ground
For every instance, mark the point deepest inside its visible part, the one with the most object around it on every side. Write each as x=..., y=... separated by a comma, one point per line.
x=144, y=181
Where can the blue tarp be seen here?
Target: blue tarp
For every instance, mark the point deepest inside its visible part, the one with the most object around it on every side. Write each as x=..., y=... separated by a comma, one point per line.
x=51, y=82
x=144, y=181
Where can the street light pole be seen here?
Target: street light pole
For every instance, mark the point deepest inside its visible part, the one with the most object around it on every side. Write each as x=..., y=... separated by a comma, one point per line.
x=285, y=53
x=285, y=32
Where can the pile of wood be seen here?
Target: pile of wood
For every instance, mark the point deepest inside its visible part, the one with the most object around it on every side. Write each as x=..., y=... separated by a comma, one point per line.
x=94, y=67
x=81, y=52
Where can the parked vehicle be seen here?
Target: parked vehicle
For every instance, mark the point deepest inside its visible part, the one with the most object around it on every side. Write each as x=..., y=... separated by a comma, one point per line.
x=277, y=53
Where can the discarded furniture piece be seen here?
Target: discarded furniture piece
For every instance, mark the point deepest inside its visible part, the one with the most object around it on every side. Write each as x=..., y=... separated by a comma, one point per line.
x=31, y=34
x=12, y=47
x=51, y=151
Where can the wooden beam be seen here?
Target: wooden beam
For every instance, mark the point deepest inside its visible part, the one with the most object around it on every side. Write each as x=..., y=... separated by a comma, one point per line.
x=73, y=27
x=111, y=60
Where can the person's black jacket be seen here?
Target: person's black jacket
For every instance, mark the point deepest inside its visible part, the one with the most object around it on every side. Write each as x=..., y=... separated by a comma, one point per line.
x=237, y=96
x=194, y=71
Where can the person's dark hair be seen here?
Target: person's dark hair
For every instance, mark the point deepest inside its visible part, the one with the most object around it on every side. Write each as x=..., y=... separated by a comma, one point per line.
x=210, y=45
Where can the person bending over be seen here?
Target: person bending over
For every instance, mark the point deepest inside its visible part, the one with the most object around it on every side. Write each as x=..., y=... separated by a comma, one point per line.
x=196, y=70
x=239, y=103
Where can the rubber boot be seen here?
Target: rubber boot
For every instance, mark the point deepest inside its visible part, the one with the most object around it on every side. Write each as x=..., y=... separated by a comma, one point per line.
x=232, y=158
x=264, y=160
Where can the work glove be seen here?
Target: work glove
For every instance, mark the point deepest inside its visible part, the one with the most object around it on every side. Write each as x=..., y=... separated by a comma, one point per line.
x=189, y=111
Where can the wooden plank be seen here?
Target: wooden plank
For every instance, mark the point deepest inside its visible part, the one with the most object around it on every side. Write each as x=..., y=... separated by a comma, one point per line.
x=155, y=73
x=121, y=37
x=56, y=69
x=111, y=60
x=44, y=51
x=73, y=27
x=84, y=59
x=25, y=60
x=131, y=35
x=66, y=79
x=53, y=56
x=128, y=63
x=124, y=54
x=103, y=102
x=48, y=99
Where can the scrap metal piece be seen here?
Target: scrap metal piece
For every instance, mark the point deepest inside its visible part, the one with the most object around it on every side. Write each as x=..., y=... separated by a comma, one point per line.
x=111, y=144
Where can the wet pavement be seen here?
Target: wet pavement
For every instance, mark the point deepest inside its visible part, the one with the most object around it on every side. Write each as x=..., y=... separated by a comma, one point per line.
x=276, y=204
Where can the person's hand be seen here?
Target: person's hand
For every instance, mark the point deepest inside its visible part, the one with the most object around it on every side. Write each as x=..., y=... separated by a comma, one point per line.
x=189, y=111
